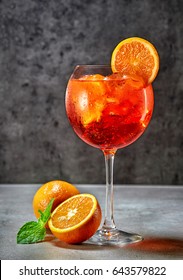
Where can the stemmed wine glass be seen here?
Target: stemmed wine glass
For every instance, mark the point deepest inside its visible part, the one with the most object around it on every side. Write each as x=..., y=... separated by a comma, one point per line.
x=108, y=111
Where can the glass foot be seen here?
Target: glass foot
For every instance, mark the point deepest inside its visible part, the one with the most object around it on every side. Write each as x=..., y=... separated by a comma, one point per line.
x=114, y=237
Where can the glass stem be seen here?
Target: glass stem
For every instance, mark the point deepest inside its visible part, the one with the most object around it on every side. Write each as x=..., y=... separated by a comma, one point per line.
x=109, y=220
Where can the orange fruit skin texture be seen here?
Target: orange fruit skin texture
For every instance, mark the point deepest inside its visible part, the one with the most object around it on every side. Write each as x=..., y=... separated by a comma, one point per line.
x=82, y=233
x=59, y=190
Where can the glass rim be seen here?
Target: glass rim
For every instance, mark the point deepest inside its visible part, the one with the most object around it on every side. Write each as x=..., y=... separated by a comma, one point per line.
x=90, y=69
x=93, y=65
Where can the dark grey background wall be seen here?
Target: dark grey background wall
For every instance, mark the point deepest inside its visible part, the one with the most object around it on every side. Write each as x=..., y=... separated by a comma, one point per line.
x=40, y=44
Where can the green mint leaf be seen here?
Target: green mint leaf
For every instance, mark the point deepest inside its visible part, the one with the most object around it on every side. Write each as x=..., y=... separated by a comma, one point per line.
x=33, y=231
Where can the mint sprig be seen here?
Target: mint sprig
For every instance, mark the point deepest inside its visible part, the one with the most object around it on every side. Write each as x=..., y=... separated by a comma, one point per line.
x=33, y=231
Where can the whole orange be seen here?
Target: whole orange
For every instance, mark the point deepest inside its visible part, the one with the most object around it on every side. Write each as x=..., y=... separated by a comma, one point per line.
x=59, y=190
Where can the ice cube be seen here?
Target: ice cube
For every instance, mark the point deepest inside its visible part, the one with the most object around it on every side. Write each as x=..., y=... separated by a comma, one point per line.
x=91, y=98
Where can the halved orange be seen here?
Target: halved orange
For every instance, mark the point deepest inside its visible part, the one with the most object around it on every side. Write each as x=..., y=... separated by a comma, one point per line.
x=76, y=219
x=136, y=56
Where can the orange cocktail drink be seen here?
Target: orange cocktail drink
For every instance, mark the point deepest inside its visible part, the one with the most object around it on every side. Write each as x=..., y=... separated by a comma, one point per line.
x=109, y=112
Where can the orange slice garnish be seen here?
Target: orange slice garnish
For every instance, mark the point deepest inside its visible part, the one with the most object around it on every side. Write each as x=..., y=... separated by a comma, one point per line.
x=76, y=219
x=136, y=56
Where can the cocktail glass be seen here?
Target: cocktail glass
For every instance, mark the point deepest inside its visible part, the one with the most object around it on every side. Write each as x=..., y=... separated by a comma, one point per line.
x=108, y=111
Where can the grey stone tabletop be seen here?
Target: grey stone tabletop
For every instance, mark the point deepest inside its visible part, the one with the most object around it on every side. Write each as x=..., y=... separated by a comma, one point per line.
x=155, y=212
